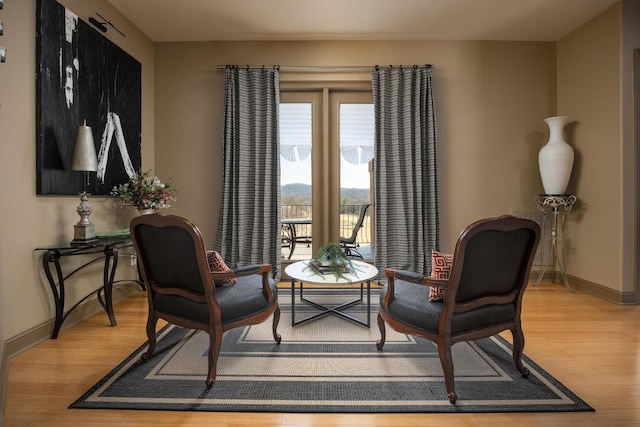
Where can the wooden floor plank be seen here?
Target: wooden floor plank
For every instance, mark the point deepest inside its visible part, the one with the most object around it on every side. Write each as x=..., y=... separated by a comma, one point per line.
x=590, y=345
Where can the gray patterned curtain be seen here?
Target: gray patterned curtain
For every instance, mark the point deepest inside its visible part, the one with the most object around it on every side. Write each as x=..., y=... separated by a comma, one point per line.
x=249, y=227
x=407, y=215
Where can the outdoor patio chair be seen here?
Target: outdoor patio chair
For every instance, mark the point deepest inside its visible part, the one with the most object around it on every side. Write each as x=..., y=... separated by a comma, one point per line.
x=183, y=290
x=483, y=293
x=349, y=244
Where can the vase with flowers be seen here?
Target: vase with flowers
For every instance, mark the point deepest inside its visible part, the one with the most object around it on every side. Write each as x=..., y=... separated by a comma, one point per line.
x=145, y=192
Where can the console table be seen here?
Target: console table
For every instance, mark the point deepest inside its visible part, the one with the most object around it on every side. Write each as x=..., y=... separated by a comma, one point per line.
x=559, y=205
x=105, y=248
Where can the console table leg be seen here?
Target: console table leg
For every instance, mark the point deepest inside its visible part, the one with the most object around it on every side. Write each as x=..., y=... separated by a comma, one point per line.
x=110, y=264
x=58, y=291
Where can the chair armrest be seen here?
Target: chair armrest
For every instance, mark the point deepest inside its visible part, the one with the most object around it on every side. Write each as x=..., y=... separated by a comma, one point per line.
x=438, y=283
x=246, y=270
x=409, y=276
x=421, y=279
x=252, y=269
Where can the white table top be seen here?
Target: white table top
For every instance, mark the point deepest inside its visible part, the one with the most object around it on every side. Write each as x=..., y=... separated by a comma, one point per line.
x=299, y=271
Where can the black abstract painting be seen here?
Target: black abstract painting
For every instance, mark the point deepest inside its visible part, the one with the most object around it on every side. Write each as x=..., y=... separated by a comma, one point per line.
x=82, y=75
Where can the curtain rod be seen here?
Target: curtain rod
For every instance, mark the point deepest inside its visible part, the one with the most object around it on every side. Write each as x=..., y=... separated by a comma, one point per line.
x=325, y=67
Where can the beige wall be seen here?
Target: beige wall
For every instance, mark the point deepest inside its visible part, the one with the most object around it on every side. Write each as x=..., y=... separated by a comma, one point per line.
x=28, y=221
x=595, y=90
x=630, y=94
x=491, y=99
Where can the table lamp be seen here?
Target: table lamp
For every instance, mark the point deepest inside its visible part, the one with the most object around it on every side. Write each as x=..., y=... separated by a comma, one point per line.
x=85, y=160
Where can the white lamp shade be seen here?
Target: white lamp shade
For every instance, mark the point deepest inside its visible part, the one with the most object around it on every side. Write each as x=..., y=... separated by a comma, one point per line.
x=84, y=155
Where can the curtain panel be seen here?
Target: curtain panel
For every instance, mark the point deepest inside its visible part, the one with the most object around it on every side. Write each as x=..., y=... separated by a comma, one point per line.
x=249, y=226
x=407, y=214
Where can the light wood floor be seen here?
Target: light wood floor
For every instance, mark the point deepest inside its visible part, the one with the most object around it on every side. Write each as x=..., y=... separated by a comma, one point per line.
x=590, y=345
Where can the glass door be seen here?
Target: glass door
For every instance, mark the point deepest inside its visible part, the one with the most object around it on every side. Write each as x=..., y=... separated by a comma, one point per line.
x=326, y=142
x=356, y=136
x=299, y=115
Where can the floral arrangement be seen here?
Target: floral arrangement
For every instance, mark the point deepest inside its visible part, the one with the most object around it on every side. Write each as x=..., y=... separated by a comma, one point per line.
x=145, y=191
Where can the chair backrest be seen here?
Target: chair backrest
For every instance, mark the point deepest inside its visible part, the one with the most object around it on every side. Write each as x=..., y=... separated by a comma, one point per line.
x=492, y=262
x=172, y=256
x=357, y=226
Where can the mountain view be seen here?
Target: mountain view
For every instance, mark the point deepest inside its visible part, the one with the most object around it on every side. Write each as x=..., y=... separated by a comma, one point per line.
x=300, y=194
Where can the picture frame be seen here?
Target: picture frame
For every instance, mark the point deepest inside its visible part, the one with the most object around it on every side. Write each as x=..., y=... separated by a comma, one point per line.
x=82, y=75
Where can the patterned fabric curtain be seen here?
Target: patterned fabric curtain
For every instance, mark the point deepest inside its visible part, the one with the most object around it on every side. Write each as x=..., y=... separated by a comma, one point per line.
x=407, y=215
x=249, y=227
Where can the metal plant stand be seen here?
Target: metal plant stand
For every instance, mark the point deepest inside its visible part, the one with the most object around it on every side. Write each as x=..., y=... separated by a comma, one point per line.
x=558, y=206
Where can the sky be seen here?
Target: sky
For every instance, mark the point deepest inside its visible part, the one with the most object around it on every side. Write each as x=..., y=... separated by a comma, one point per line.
x=351, y=176
x=356, y=141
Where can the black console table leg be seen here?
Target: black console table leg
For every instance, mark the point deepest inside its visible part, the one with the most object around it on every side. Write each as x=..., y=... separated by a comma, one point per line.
x=110, y=264
x=53, y=257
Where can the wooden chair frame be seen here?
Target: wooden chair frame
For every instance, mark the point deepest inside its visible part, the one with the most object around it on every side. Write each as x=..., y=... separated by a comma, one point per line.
x=444, y=338
x=215, y=326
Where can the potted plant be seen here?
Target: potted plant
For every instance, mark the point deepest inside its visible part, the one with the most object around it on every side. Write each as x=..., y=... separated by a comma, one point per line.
x=331, y=259
x=145, y=192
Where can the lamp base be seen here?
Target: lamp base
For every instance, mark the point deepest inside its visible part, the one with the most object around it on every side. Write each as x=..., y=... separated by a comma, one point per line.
x=84, y=234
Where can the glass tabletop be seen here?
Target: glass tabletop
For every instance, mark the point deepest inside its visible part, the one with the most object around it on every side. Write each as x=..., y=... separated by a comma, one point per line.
x=104, y=239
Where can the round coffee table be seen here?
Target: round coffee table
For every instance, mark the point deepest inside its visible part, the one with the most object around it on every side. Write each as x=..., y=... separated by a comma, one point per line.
x=363, y=274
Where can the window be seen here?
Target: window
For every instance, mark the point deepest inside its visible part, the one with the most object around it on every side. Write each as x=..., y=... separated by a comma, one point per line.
x=326, y=142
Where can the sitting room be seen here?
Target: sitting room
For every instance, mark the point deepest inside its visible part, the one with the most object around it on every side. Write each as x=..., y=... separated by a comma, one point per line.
x=494, y=76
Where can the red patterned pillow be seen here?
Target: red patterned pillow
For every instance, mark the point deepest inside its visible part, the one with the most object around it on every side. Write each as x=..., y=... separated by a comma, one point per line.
x=216, y=263
x=440, y=269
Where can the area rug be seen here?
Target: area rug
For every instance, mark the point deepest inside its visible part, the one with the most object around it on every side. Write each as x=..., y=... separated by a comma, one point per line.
x=328, y=365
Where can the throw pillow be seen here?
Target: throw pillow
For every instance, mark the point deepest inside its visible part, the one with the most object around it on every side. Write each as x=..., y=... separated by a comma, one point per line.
x=216, y=263
x=440, y=269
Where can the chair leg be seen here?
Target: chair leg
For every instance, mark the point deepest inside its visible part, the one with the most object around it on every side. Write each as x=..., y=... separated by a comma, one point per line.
x=215, y=341
x=151, y=336
x=276, y=321
x=518, y=349
x=383, y=332
x=444, y=350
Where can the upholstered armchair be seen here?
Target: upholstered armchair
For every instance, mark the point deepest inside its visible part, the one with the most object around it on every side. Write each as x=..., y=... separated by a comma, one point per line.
x=184, y=291
x=482, y=295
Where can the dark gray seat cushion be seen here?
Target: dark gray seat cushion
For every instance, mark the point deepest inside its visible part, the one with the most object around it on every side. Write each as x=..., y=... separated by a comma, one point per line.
x=411, y=306
x=237, y=301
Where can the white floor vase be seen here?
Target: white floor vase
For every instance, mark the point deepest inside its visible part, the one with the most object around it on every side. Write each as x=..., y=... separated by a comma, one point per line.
x=555, y=159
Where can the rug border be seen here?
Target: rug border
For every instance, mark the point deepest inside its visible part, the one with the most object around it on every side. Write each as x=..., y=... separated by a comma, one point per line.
x=579, y=404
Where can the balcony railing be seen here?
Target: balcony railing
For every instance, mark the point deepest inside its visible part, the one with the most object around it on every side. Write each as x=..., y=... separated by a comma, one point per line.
x=348, y=218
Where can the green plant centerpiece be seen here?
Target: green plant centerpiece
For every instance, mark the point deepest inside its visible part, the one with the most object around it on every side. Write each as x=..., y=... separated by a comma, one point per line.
x=331, y=259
